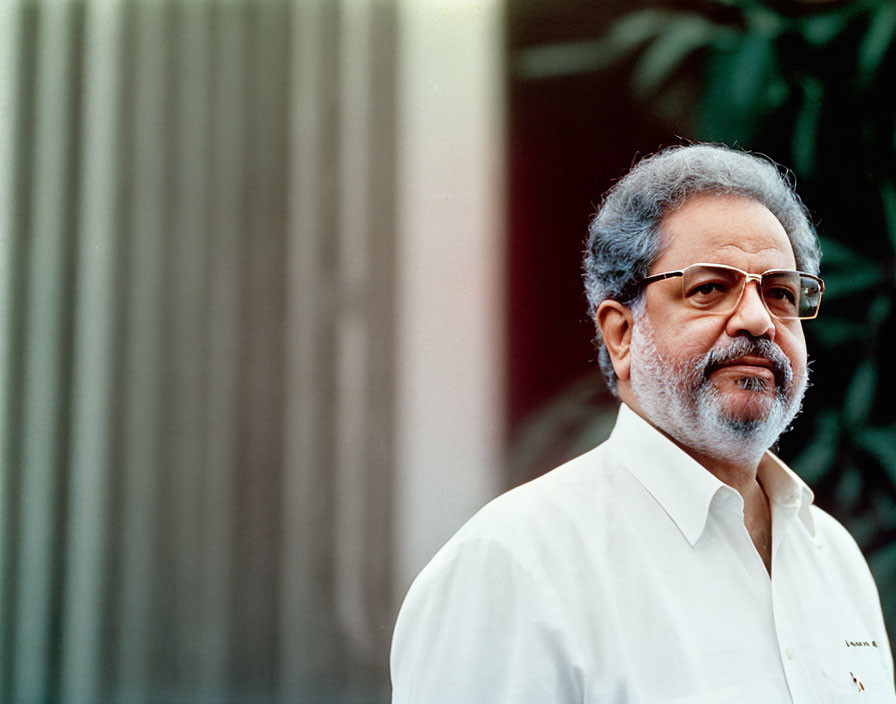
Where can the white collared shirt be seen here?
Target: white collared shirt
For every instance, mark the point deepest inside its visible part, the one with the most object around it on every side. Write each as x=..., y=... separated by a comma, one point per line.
x=627, y=575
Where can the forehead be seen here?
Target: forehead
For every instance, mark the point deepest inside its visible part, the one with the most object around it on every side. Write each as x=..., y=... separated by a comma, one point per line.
x=723, y=229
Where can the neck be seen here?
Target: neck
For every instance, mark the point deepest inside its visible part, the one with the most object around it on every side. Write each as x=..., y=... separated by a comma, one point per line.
x=739, y=474
x=743, y=478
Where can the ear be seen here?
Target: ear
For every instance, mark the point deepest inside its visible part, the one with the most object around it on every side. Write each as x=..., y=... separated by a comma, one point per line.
x=615, y=322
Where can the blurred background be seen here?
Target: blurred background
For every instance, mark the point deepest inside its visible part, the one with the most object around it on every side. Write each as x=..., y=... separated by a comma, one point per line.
x=290, y=288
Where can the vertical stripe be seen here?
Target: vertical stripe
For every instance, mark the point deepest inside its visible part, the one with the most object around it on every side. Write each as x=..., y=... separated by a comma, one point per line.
x=13, y=82
x=186, y=309
x=45, y=393
x=378, y=483
x=140, y=499
x=307, y=646
x=449, y=259
x=96, y=257
x=260, y=393
x=353, y=371
x=225, y=290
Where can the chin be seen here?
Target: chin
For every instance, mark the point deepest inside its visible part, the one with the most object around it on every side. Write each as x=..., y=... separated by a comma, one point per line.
x=741, y=428
x=746, y=406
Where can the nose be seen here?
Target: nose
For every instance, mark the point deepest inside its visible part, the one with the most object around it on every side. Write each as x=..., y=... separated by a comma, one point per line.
x=751, y=317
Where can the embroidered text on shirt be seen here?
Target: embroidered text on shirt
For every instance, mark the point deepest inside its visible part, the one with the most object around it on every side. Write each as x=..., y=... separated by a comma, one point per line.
x=860, y=644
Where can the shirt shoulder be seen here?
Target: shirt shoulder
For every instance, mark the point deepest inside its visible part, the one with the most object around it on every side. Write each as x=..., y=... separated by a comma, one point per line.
x=830, y=533
x=546, y=512
x=493, y=588
x=841, y=547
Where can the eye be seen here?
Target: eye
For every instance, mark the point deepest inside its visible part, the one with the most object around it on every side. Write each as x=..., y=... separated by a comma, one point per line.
x=707, y=290
x=709, y=287
x=780, y=293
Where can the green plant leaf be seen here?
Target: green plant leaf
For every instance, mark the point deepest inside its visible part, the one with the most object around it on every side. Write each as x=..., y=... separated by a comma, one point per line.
x=627, y=35
x=840, y=284
x=883, y=565
x=860, y=395
x=776, y=93
x=761, y=20
x=751, y=69
x=684, y=34
x=848, y=492
x=878, y=312
x=743, y=84
x=880, y=443
x=634, y=29
x=821, y=29
x=805, y=131
x=888, y=201
x=836, y=253
x=818, y=456
x=834, y=332
x=880, y=34
x=565, y=59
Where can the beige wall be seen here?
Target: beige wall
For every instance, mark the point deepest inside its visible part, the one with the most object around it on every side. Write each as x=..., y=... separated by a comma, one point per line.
x=451, y=180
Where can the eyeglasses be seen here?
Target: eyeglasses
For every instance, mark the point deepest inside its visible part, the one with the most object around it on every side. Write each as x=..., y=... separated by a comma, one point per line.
x=717, y=289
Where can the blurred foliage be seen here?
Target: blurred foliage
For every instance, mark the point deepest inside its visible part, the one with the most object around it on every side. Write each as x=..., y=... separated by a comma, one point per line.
x=812, y=85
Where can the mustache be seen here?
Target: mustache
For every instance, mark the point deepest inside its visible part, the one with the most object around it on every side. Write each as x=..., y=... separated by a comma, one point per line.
x=754, y=347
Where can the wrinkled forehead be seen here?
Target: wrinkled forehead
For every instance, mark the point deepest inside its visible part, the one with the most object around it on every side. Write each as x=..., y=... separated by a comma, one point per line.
x=724, y=229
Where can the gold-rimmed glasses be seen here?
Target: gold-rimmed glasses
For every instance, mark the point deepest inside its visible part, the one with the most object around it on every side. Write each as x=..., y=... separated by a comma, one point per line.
x=718, y=288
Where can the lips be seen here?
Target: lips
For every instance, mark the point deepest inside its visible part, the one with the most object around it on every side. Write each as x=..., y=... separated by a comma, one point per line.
x=750, y=357
x=749, y=361
x=747, y=376
x=751, y=365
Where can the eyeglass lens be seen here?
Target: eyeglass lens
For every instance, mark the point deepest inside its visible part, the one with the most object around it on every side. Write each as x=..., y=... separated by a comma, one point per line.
x=787, y=294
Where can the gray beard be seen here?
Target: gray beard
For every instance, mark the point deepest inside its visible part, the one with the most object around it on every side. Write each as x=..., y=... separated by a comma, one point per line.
x=679, y=398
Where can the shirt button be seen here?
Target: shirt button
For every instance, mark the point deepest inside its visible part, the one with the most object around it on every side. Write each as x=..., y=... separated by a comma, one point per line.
x=790, y=653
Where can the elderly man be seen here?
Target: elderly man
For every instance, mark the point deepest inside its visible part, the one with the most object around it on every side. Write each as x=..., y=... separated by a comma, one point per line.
x=679, y=561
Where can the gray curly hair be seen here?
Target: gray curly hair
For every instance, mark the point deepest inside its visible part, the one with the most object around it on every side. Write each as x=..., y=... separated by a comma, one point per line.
x=624, y=235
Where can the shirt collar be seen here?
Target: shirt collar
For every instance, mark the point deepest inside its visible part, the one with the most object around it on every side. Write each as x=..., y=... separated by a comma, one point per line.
x=683, y=487
x=786, y=489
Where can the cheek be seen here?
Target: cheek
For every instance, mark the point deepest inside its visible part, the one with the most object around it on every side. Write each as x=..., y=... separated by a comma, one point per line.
x=687, y=339
x=799, y=364
x=793, y=343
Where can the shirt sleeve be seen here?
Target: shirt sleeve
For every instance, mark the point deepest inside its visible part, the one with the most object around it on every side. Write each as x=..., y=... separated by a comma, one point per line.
x=477, y=626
